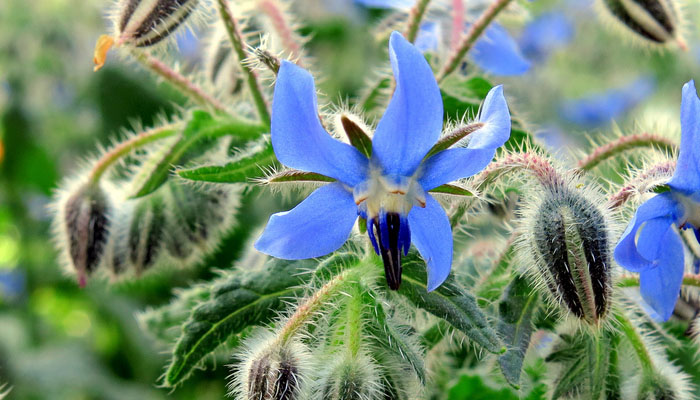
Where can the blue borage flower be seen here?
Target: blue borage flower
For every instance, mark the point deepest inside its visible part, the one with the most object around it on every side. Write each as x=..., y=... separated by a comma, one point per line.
x=651, y=245
x=389, y=189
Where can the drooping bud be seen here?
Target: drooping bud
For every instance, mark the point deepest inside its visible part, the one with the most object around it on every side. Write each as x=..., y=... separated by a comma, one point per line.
x=143, y=23
x=86, y=222
x=653, y=21
x=351, y=379
x=273, y=372
x=566, y=242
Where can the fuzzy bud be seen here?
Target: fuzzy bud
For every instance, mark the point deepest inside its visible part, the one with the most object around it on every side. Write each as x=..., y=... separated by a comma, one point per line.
x=653, y=21
x=146, y=233
x=273, y=372
x=568, y=240
x=143, y=23
x=351, y=379
x=86, y=221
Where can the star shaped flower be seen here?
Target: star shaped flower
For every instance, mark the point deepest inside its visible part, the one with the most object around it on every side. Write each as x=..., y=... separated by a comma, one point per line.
x=651, y=245
x=390, y=188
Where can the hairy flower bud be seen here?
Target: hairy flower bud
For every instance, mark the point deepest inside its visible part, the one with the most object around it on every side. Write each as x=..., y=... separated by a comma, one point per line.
x=86, y=222
x=351, y=379
x=146, y=232
x=271, y=371
x=567, y=241
x=654, y=21
x=143, y=23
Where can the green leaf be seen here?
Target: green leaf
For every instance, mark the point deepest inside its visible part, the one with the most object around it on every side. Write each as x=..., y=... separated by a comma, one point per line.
x=451, y=302
x=453, y=190
x=248, y=166
x=473, y=388
x=516, y=310
x=385, y=332
x=239, y=299
x=163, y=322
x=199, y=135
x=461, y=96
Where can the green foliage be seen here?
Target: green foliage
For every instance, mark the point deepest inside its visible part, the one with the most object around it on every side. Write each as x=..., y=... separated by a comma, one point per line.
x=450, y=302
x=516, y=310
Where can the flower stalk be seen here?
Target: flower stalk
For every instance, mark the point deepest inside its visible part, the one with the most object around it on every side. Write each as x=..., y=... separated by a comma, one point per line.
x=625, y=143
x=179, y=81
x=239, y=47
x=470, y=38
x=415, y=19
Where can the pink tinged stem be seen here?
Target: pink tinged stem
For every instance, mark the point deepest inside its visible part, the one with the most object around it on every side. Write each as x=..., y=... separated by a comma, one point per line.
x=415, y=18
x=470, y=38
x=289, y=39
x=457, y=22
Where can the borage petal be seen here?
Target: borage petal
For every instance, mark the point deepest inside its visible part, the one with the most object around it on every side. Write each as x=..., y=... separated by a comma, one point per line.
x=661, y=207
x=452, y=164
x=413, y=120
x=432, y=235
x=497, y=52
x=687, y=176
x=661, y=285
x=317, y=226
x=299, y=139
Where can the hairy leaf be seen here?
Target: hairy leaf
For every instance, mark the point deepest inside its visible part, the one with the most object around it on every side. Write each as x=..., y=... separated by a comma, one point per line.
x=199, y=134
x=385, y=332
x=453, y=190
x=163, y=322
x=246, y=167
x=451, y=302
x=516, y=310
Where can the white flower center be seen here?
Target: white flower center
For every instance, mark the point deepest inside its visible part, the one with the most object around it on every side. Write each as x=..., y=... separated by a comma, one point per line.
x=388, y=194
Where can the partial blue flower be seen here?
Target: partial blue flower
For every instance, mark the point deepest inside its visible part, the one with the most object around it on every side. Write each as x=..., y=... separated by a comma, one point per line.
x=599, y=109
x=545, y=34
x=400, y=4
x=651, y=245
x=429, y=37
x=498, y=53
x=390, y=189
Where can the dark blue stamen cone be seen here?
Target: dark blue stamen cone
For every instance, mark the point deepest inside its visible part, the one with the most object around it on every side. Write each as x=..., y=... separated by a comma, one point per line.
x=388, y=234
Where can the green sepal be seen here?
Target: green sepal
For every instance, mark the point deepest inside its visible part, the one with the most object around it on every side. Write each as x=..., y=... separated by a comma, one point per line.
x=358, y=137
x=293, y=175
x=245, y=167
x=453, y=137
x=516, y=310
x=453, y=190
x=451, y=302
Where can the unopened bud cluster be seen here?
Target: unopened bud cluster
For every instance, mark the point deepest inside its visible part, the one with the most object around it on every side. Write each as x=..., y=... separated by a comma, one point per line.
x=652, y=21
x=566, y=242
x=175, y=225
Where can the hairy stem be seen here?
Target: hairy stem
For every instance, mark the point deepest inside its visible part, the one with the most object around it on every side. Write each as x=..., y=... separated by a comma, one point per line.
x=470, y=38
x=637, y=342
x=285, y=32
x=128, y=146
x=239, y=47
x=308, y=308
x=651, y=178
x=415, y=18
x=180, y=82
x=625, y=143
x=353, y=323
x=533, y=163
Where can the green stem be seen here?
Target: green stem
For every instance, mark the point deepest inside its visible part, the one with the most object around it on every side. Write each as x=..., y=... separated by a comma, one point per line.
x=180, y=82
x=633, y=280
x=625, y=143
x=308, y=309
x=353, y=325
x=239, y=47
x=128, y=146
x=637, y=342
x=415, y=19
x=471, y=37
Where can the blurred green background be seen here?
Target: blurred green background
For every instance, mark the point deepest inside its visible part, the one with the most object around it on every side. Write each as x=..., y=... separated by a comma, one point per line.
x=60, y=342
